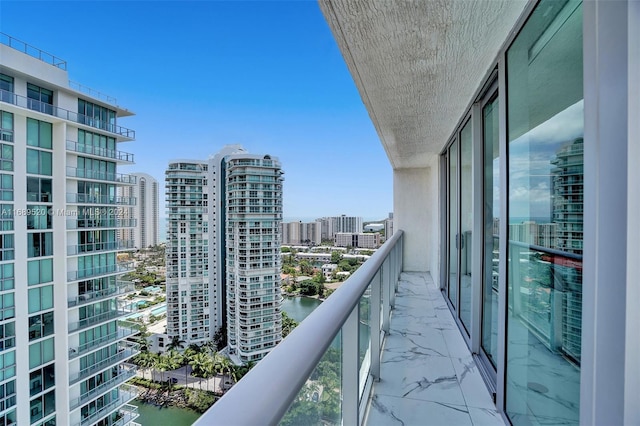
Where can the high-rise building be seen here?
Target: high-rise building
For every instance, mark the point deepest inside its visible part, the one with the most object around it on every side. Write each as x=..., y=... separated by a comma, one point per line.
x=223, y=251
x=145, y=212
x=63, y=351
x=335, y=224
x=295, y=233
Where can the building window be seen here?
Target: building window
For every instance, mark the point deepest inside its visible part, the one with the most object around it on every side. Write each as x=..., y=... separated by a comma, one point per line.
x=6, y=277
x=7, y=336
x=39, y=133
x=8, y=419
x=94, y=143
x=6, y=187
x=40, y=244
x=39, y=99
x=6, y=126
x=38, y=217
x=43, y=405
x=7, y=306
x=39, y=162
x=39, y=271
x=96, y=115
x=7, y=365
x=40, y=325
x=38, y=189
x=40, y=298
x=42, y=379
x=6, y=157
x=7, y=251
x=7, y=396
x=41, y=352
x=545, y=180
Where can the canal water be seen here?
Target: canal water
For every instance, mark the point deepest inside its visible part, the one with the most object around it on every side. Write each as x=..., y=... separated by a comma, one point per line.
x=296, y=307
x=151, y=415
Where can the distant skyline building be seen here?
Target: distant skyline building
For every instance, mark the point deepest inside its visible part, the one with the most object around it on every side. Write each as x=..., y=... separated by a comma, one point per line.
x=223, y=251
x=146, y=212
x=357, y=240
x=297, y=233
x=334, y=224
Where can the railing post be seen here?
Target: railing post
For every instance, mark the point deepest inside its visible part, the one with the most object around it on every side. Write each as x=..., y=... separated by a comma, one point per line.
x=393, y=282
x=376, y=292
x=386, y=295
x=350, y=369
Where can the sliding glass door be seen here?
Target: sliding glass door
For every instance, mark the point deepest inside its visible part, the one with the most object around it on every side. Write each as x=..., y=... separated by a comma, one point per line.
x=460, y=224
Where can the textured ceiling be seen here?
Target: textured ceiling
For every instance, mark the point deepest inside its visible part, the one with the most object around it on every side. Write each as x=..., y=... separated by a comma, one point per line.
x=418, y=63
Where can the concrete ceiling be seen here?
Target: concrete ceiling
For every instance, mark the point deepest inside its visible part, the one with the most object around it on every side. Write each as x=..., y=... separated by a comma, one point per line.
x=417, y=64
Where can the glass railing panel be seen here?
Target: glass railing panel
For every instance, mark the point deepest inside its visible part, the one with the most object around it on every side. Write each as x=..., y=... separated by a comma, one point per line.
x=319, y=402
x=364, y=338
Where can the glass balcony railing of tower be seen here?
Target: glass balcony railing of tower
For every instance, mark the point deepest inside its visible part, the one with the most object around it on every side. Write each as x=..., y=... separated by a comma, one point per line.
x=45, y=108
x=101, y=175
x=98, y=151
x=102, y=317
x=98, y=222
x=124, y=330
x=121, y=288
x=125, y=350
x=324, y=369
x=119, y=268
x=100, y=246
x=126, y=393
x=100, y=199
x=32, y=51
x=126, y=415
x=121, y=374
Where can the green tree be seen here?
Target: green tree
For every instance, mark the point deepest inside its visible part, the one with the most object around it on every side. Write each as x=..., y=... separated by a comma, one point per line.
x=335, y=257
x=220, y=338
x=176, y=343
x=288, y=324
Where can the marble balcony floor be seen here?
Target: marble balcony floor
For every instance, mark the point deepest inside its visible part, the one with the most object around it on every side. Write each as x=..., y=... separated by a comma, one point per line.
x=428, y=376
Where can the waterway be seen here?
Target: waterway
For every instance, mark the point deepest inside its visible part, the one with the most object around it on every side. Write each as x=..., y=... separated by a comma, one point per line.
x=151, y=415
x=297, y=308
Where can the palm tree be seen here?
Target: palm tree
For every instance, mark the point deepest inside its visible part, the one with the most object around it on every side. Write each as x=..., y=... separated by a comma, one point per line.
x=173, y=361
x=145, y=360
x=176, y=343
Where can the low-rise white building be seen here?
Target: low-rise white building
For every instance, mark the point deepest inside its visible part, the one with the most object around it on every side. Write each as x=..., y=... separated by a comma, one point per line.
x=359, y=240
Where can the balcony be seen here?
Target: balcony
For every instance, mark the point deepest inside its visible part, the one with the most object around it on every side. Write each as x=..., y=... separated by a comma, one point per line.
x=98, y=222
x=119, y=268
x=74, y=198
x=64, y=114
x=128, y=414
x=100, y=318
x=121, y=288
x=121, y=333
x=124, y=373
x=127, y=394
x=99, y=152
x=126, y=350
x=424, y=375
x=101, y=176
x=100, y=247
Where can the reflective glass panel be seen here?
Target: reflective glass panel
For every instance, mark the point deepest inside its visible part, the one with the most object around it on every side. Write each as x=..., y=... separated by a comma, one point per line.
x=545, y=130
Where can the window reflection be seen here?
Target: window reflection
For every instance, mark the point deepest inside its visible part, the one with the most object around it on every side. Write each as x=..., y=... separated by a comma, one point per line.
x=545, y=129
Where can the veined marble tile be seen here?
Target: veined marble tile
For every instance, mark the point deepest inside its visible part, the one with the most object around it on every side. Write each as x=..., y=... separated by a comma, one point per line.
x=413, y=342
x=485, y=417
x=423, y=377
x=389, y=411
x=474, y=390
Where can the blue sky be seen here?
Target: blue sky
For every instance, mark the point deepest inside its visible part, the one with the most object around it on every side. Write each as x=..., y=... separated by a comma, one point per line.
x=199, y=75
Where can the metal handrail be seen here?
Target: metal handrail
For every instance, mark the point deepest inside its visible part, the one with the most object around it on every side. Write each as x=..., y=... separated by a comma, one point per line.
x=65, y=114
x=288, y=366
x=32, y=51
x=113, y=154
